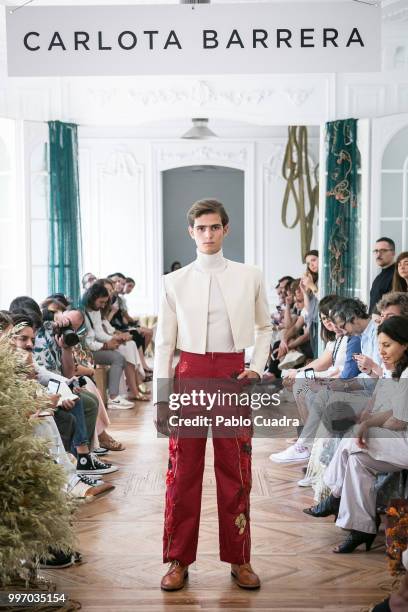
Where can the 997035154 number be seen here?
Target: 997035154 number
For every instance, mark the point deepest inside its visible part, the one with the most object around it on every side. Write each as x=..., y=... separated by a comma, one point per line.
x=19, y=599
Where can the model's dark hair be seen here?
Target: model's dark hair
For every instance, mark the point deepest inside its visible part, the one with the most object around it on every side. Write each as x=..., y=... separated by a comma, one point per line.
x=205, y=207
x=399, y=283
x=129, y=279
x=396, y=328
x=389, y=240
x=325, y=305
x=97, y=290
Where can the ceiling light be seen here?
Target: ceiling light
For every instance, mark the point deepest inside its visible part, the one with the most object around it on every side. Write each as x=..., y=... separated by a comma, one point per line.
x=200, y=130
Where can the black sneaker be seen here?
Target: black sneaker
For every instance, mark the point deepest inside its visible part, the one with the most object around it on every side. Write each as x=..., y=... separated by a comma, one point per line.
x=100, y=451
x=90, y=481
x=90, y=464
x=57, y=561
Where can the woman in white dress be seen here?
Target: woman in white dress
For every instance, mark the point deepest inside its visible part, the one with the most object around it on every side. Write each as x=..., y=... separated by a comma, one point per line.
x=379, y=444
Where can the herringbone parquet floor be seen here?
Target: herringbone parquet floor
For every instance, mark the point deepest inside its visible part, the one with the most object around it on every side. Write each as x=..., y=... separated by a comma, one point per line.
x=120, y=538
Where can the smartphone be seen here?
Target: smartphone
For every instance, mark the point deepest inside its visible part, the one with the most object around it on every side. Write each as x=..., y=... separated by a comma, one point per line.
x=310, y=374
x=53, y=386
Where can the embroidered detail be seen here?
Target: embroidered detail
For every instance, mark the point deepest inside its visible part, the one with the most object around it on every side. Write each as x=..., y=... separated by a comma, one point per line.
x=173, y=447
x=241, y=522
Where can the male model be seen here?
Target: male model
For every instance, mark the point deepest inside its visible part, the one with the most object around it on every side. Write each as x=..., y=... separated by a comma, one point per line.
x=211, y=310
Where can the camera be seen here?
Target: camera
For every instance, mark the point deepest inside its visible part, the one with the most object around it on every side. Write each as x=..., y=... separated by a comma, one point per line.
x=69, y=336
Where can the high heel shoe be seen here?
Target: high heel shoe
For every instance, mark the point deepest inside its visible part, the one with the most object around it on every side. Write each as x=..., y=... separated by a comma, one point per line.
x=354, y=539
x=326, y=507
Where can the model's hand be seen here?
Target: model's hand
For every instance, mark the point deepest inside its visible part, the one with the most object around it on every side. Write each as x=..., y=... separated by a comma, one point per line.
x=248, y=374
x=161, y=420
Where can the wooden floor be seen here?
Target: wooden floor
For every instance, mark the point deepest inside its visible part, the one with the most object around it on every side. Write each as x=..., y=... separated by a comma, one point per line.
x=120, y=538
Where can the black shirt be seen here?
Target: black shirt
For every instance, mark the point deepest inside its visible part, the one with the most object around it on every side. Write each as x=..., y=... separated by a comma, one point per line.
x=381, y=284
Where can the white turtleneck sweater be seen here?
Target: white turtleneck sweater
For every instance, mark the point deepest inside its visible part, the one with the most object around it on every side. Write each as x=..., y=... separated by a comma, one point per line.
x=219, y=333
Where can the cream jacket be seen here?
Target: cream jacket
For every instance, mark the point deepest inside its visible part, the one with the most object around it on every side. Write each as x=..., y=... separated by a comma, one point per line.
x=183, y=315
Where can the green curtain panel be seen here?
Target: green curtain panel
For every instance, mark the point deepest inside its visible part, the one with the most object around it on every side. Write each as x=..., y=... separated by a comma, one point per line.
x=65, y=222
x=341, y=272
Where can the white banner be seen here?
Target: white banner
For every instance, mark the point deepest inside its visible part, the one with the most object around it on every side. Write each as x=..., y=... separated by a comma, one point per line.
x=279, y=37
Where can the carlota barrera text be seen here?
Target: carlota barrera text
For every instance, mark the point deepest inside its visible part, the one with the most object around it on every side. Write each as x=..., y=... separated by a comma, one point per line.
x=211, y=39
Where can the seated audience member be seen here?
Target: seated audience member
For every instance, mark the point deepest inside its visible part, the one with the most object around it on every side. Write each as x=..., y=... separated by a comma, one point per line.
x=379, y=444
x=122, y=321
x=129, y=285
x=296, y=334
x=176, y=265
x=44, y=427
x=351, y=316
x=393, y=304
x=75, y=437
x=384, y=258
x=104, y=346
x=286, y=302
x=134, y=370
x=400, y=278
x=309, y=285
x=335, y=362
x=52, y=352
x=6, y=322
x=88, y=280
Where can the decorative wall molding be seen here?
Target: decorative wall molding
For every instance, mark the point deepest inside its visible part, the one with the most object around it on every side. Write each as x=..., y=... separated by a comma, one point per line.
x=366, y=100
x=298, y=96
x=200, y=94
x=402, y=95
x=122, y=163
x=273, y=165
x=205, y=153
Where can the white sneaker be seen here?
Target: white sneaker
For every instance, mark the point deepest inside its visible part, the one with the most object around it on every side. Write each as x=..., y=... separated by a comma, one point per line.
x=290, y=454
x=119, y=404
x=307, y=481
x=125, y=399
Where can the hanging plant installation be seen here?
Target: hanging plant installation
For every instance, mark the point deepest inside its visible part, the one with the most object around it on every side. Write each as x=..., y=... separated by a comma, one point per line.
x=341, y=232
x=298, y=176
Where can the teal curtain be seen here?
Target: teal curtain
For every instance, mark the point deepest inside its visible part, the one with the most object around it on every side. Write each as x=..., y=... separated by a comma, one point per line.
x=65, y=250
x=341, y=271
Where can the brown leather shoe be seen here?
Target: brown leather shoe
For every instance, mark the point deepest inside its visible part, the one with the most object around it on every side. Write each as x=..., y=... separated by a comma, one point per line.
x=245, y=576
x=175, y=577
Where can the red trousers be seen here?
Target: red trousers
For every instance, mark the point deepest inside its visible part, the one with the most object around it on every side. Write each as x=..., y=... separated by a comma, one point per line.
x=232, y=464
